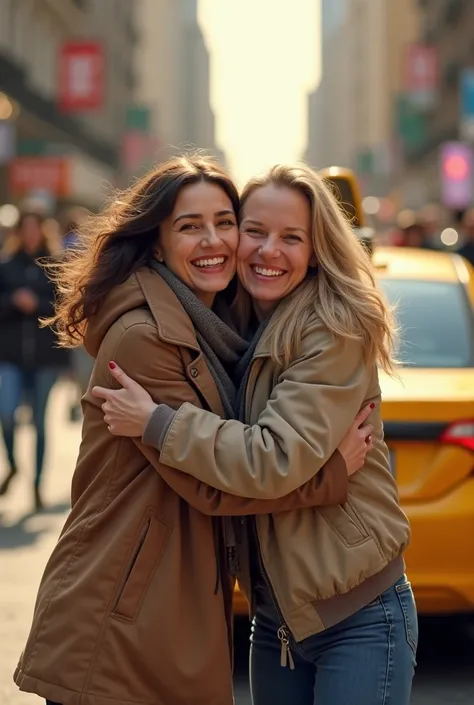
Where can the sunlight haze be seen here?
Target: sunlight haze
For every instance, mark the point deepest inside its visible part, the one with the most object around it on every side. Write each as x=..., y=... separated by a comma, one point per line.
x=264, y=60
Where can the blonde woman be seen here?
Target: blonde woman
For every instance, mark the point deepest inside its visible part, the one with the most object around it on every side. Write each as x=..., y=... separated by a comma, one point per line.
x=334, y=619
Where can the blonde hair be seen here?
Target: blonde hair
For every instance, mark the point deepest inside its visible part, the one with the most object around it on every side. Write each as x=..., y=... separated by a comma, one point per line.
x=342, y=289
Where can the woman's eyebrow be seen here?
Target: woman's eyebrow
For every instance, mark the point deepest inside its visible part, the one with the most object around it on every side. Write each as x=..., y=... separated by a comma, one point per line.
x=259, y=222
x=187, y=215
x=199, y=215
x=296, y=227
x=251, y=220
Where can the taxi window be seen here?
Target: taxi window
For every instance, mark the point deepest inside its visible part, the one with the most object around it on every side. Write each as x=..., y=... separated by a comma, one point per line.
x=436, y=323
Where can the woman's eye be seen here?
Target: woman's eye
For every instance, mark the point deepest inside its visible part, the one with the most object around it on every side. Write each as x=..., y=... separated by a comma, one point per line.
x=227, y=223
x=189, y=226
x=254, y=233
x=293, y=238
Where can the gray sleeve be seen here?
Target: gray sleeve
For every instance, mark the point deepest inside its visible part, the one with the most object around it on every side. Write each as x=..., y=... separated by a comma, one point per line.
x=158, y=425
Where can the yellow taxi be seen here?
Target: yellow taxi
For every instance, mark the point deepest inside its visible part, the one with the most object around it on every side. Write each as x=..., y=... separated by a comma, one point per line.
x=428, y=412
x=428, y=418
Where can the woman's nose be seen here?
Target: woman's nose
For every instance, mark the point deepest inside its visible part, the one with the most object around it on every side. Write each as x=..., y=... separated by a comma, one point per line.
x=269, y=249
x=211, y=237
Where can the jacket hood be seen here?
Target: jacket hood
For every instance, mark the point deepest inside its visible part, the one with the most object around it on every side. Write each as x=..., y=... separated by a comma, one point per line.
x=143, y=289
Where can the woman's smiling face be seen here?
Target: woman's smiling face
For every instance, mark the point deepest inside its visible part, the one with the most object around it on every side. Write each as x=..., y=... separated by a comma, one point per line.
x=198, y=241
x=275, y=247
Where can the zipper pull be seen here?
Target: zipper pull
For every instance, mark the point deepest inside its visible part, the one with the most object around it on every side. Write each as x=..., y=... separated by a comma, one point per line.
x=290, y=659
x=286, y=655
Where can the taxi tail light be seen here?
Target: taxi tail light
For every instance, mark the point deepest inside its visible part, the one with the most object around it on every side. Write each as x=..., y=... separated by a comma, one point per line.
x=460, y=433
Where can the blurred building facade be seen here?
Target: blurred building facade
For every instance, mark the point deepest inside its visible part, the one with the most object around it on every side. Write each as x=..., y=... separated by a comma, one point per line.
x=351, y=113
x=324, y=103
x=173, y=67
x=86, y=144
x=448, y=28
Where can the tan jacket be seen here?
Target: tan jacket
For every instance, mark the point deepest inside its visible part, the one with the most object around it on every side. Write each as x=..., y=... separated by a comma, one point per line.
x=322, y=563
x=130, y=608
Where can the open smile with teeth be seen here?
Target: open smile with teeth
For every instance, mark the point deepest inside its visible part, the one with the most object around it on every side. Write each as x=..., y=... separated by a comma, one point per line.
x=267, y=271
x=209, y=262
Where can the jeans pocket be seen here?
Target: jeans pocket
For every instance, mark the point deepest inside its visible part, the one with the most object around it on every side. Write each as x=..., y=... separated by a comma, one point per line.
x=410, y=617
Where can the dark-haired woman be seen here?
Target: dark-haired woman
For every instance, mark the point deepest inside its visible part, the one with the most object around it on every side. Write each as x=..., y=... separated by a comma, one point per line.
x=135, y=602
x=30, y=361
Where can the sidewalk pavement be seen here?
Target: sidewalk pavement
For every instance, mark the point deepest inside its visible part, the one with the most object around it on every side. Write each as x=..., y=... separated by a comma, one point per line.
x=26, y=539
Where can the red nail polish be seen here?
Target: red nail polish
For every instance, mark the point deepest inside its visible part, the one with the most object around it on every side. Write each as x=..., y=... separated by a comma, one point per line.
x=372, y=406
x=112, y=365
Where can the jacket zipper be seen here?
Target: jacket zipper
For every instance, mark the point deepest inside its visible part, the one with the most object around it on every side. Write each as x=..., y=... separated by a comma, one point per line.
x=283, y=632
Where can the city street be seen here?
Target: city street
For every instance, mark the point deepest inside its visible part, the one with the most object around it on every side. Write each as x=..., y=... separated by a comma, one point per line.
x=445, y=674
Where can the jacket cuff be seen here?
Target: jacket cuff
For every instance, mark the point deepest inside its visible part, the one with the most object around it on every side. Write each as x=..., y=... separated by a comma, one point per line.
x=337, y=469
x=158, y=425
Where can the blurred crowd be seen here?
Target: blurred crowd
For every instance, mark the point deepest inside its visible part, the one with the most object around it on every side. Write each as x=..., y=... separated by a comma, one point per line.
x=30, y=361
x=431, y=228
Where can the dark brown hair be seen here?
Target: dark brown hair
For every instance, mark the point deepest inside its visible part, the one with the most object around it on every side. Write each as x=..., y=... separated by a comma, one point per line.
x=122, y=238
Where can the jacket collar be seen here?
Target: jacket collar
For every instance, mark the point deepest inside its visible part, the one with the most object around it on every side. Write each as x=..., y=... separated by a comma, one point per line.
x=145, y=287
x=173, y=323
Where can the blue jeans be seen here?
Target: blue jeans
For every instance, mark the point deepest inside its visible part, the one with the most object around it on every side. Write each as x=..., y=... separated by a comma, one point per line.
x=15, y=385
x=367, y=659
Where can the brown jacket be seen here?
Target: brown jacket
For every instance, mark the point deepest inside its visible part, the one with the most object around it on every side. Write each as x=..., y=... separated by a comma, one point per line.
x=323, y=563
x=129, y=609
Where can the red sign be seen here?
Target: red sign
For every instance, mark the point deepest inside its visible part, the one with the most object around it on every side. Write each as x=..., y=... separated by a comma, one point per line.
x=81, y=76
x=27, y=174
x=421, y=68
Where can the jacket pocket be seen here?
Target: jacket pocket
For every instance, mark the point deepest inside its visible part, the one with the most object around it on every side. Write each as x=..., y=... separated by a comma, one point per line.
x=346, y=523
x=143, y=562
x=410, y=617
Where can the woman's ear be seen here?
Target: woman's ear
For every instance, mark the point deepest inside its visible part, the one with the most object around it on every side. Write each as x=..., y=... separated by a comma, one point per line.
x=313, y=262
x=158, y=255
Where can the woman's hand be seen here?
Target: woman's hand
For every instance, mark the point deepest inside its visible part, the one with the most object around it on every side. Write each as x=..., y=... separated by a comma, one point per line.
x=358, y=441
x=128, y=410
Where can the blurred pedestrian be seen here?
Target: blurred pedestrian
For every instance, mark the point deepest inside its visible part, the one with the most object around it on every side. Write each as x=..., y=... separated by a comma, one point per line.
x=30, y=362
x=467, y=248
